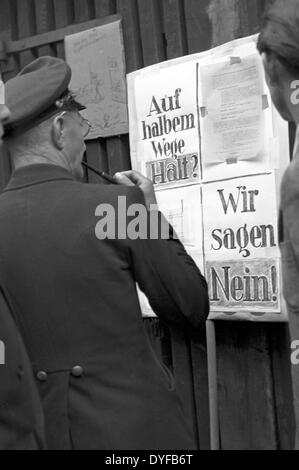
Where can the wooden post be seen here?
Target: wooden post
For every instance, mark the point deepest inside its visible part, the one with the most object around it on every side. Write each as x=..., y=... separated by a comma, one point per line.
x=213, y=385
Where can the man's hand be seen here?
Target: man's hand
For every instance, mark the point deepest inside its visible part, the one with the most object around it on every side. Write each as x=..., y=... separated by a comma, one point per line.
x=4, y=115
x=133, y=178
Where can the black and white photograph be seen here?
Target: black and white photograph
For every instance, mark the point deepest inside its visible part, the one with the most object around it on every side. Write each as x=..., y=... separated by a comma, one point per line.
x=149, y=227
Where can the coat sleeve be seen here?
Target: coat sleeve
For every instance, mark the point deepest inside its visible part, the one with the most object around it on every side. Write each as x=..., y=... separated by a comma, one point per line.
x=168, y=276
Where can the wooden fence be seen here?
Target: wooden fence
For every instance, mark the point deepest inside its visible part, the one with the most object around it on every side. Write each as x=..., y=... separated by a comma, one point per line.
x=254, y=381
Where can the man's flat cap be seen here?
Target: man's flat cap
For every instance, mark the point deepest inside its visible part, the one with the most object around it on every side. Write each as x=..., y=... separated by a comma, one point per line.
x=38, y=92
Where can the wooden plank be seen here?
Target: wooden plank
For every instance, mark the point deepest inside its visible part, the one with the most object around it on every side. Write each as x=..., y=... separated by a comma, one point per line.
x=4, y=17
x=249, y=12
x=64, y=15
x=131, y=31
x=213, y=385
x=225, y=20
x=104, y=7
x=97, y=150
x=246, y=401
x=44, y=12
x=201, y=388
x=13, y=19
x=198, y=25
x=175, y=28
x=11, y=66
x=255, y=11
x=233, y=19
x=96, y=155
x=182, y=370
x=26, y=27
x=56, y=36
x=118, y=154
x=84, y=10
x=151, y=31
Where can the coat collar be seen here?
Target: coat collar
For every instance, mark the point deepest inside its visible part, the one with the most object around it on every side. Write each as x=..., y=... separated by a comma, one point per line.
x=36, y=174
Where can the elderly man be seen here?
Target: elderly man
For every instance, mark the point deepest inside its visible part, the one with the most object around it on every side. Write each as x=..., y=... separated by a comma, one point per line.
x=21, y=418
x=74, y=292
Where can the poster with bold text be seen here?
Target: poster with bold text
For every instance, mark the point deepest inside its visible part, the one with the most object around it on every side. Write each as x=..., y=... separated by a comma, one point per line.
x=240, y=218
x=204, y=130
x=241, y=245
x=165, y=140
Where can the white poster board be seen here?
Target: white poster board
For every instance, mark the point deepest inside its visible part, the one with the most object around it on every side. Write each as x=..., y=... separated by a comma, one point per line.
x=166, y=147
x=96, y=57
x=203, y=129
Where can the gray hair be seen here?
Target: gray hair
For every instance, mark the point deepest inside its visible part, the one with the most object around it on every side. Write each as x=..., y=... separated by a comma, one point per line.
x=34, y=141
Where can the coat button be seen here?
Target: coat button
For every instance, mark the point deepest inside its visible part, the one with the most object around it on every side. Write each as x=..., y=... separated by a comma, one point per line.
x=77, y=371
x=42, y=376
x=21, y=372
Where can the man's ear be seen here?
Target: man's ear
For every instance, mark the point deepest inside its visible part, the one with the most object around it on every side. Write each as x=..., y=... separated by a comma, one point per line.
x=58, y=130
x=272, y=68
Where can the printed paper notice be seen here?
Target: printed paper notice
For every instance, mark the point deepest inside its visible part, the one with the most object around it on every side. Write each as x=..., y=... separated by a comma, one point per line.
x=233, y=110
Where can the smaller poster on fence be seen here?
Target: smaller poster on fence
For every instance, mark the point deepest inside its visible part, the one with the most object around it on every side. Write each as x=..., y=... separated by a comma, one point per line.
x=96, y=57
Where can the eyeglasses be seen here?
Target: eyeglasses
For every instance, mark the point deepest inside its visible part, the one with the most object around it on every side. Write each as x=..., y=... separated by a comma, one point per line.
x=85, y=125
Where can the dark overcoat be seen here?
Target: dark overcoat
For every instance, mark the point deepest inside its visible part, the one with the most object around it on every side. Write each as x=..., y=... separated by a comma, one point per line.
x=74, y=297
x=21, y=417
x=289, y=246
